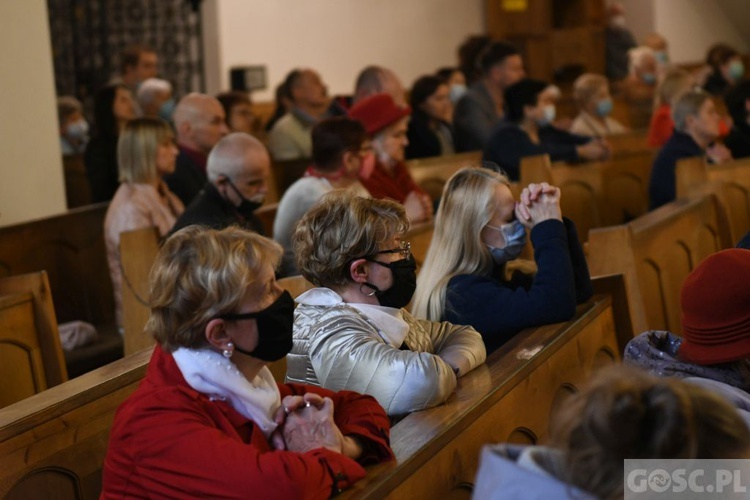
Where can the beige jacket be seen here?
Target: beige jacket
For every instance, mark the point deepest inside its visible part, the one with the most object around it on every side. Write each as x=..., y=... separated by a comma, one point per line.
x=338, y=347
x=136, y=206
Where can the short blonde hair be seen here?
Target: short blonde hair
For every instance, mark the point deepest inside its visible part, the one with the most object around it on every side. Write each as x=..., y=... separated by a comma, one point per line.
x=466, y=207
x=677, y=81
x=201, y=273
x=137, y=148
x=586, y=86
x=340, y=228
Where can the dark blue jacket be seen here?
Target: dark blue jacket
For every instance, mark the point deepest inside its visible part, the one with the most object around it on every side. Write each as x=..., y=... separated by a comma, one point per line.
x=662, y=186
x=498, y=309
x=509, y=143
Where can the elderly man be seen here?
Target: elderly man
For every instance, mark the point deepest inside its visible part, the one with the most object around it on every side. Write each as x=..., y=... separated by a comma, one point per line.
x=386, y=123
x=289, y=139
x=199, y=122
x=481, y=108
x=238, y=169
x=375, y=80
x=154, y=96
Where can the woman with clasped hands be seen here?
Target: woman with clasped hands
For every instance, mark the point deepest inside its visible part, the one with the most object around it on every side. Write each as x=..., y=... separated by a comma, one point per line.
x=480, y=230
x=208, y=420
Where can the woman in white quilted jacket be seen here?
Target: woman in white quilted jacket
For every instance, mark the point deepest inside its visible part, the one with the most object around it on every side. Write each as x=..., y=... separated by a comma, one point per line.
x=351, y=332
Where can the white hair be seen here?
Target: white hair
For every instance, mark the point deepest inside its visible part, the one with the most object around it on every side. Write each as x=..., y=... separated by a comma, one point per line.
x=638, y=57
x=150, y=89
x=229, y=156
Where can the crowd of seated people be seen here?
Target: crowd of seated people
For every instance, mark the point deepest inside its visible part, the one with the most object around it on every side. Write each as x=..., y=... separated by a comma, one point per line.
x=373, y=339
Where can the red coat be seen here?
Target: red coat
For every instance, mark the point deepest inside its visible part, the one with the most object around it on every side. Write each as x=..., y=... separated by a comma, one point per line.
x=381, y=184
x=170, y=441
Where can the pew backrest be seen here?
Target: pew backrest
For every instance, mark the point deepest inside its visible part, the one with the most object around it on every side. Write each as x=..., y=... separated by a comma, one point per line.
x=31, y=357
x=138, y=250
x=431, y=174
x=77, y=189
x=656, y=252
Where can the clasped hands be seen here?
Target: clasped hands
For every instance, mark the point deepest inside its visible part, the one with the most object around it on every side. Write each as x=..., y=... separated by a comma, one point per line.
x=306, y=423
x=537, y=203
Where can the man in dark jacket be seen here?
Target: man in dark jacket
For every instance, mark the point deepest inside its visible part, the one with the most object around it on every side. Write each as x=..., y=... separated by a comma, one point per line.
x=238, y=170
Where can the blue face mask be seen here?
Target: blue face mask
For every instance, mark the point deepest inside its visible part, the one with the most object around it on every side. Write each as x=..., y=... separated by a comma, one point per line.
x=167, y=109
x=604, y=107
x=648, y=78
x=736, y=70
x=515, y=239
x=457, y=91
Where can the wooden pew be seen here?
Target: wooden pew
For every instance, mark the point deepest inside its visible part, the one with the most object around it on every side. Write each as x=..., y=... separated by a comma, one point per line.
x=510, y=399
x=52, y=445
x=656, y=252
x=634, y=141
x=284, y=174
x=32, y=358
x=70, y=248
x=431, y=174
x=77, y=189
x=730, y=182
x=596, y=194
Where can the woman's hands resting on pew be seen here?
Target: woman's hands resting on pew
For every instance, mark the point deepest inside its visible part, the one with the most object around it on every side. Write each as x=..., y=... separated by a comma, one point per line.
x=539, y=202
x=306, y=423
x=718, y=153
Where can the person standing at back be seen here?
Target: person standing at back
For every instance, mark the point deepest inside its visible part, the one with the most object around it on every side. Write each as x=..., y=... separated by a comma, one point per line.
x=479, y=111
x=200, y=123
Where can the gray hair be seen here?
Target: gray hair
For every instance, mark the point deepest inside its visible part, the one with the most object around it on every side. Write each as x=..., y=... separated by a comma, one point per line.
x=229, y=156
x=66, y=106
x=150, y=89
x=689, y=104
x=638, y=56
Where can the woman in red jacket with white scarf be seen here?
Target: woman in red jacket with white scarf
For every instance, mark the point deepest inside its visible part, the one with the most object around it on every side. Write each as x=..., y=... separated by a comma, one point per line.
x=209, y=420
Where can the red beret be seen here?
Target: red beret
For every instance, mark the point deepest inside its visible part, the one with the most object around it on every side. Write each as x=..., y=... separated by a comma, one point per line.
x=377, y=112
x=715, y=302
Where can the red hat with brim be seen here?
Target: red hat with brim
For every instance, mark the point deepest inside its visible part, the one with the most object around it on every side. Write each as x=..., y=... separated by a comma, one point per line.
x=715, y=302
x=377, y=112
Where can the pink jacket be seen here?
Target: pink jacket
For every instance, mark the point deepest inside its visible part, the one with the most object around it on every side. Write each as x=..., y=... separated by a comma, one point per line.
x=136, y=206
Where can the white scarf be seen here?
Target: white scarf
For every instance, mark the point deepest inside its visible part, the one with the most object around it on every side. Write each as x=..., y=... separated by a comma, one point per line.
x=212, y=374
x=389, y=320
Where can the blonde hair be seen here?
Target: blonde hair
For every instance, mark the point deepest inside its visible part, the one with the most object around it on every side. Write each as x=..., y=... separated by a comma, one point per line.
x=201, y=273
x=627, y=413
x=340, y=228
x=676, y=82
x=137, y=148
x=466, y=206
x=586, y=86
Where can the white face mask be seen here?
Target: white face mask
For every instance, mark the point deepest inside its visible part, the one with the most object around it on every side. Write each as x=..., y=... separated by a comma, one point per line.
x=548, y=117
x=78, y=130
x=457, y=91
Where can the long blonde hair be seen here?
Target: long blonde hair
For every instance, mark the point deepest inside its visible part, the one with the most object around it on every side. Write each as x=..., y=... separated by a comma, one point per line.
x=467, y=206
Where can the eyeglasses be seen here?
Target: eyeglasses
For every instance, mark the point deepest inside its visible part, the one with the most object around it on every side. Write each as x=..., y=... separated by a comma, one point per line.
x=404, y=249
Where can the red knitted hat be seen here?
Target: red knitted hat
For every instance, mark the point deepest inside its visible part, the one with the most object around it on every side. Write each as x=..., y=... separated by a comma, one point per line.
x=715, y=303
x=377, y=112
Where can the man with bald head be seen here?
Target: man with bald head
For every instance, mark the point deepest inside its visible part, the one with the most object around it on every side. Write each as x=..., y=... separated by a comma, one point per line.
x=238, y=169
x=290, y=137
x=199, y=122
x=377, y=80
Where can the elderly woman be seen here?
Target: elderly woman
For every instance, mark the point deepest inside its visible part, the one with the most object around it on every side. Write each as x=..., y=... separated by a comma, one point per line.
x=714, y=350
x=640, y=84
x=591, y=93
x=208, y=420
x=351, y=332
x=155, y=99
x=621, y=414
x=146, y=152
x=74, y=129
x=386, y=124
x=429, y=131
x=479, y=230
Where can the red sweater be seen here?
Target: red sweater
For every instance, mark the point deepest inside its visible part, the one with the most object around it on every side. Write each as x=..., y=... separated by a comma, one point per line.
x=170, y=441
x=381, y=184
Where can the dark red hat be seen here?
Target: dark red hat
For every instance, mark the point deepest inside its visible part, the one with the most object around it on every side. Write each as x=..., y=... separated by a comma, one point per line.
x=377, y=112
x=715, y=302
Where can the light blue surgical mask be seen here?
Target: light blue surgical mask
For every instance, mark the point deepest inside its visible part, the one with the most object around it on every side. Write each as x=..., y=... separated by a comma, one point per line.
x=604, y=107
x=456, y=92
x=736, y=70
x=661, y=57
x=549, y=115
x=515, y=239
x=648, y=78
x=78, y=130
x=166, y=110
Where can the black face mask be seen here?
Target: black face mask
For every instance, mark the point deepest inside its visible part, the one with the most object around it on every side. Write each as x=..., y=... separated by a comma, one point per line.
x=275, y=327
x=404, y=273
x=246, y=207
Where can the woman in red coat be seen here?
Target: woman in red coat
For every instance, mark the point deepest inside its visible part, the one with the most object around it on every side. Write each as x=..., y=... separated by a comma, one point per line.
x=208, y=420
